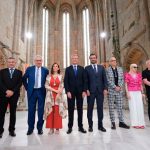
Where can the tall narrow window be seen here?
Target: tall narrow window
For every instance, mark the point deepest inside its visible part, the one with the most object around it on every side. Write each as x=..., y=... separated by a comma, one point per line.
x=45, y=35
x=86, y=36
x=66, y=39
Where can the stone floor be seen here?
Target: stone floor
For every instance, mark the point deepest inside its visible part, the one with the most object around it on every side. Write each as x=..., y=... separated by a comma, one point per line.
x=120, y=139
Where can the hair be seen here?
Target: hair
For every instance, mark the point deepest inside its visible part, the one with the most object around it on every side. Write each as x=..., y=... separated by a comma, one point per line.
x=74, y=54
x=38, y=56
x=111, y=58
x=52, y=72
x=147, y=61
x=11, y=58
x=93, y=54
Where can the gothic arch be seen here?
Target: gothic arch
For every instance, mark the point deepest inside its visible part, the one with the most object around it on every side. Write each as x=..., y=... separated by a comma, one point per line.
x=135, y=54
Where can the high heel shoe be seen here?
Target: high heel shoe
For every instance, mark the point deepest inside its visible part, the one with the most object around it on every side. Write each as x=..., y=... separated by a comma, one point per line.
x=51, y=131
x=57, y=131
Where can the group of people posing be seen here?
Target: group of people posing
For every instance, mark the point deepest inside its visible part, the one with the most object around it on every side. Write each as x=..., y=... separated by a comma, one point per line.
x=45, y=89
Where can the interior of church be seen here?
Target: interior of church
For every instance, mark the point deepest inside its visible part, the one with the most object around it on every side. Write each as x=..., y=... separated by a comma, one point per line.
x=56, y=29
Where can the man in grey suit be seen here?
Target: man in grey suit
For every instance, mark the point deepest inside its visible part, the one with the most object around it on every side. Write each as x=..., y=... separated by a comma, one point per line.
x=115, y=80
x=96, y=84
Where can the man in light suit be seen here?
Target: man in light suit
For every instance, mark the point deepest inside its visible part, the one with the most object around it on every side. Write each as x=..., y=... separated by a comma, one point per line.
x=115, y=80
x=10, y=83
x=34, y=83
x=74, y=83
x=96, y=85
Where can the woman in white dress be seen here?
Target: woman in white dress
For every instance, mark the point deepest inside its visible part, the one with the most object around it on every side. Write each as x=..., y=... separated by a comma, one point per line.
x=134, y=90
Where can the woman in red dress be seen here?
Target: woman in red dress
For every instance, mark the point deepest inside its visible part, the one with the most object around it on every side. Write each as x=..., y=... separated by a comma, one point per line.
x=54, y=104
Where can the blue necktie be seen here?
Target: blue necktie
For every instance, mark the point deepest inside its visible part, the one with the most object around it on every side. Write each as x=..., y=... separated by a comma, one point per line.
x=94, y=68
x=11, y=72
x=75, y=70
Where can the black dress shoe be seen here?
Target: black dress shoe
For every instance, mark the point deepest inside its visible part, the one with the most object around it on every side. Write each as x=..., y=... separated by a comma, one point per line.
x=69, y=131
x=90, y=130
x=29, y=132
x=12, y=133
x=1, y=135
x=102, y=129
x=40, y=132
x=123, y=125
x=113, y=126
x=82, y=130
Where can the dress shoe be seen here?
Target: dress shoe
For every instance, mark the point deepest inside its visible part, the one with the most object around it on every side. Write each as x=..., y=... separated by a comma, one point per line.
x=12, y=133
x=69, y=131
x=29, y=132
x=1, y=135
x=90, y=130
x=40, y=132
x=123, y=125
x=82, y=130
x=102, y=129
x=113, y=126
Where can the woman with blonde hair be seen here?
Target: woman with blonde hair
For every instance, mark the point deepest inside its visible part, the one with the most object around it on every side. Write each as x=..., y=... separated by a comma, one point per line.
x=134, y=90
x=55, y=108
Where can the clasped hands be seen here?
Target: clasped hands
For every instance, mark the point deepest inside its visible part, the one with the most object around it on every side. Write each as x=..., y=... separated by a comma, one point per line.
x=9, y=93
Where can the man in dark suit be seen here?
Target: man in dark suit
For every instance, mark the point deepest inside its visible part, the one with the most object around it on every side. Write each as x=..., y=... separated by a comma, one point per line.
x=96, y=84
x=74, y=83
x=10, y=83
x=34, y=82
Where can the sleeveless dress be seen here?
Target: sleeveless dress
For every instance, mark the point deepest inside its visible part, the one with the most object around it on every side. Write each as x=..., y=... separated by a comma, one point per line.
x=54, y=120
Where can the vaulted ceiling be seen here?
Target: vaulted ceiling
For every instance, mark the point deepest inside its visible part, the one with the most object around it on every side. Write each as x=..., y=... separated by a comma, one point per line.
x=66, y=1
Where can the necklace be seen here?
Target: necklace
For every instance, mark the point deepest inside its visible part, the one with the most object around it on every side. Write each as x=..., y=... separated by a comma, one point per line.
x=55, y=77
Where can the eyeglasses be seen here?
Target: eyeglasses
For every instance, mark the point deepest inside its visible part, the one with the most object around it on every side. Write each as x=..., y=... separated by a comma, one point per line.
x=135, y=67
x=113, y=60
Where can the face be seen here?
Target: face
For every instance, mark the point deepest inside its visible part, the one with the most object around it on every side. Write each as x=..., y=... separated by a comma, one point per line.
x=148, y=64
x=74, y=59
x=38, y=61
x=11, y=63
x=55, y=68
x=93, y=59
x=134, y=68
x=113, y=62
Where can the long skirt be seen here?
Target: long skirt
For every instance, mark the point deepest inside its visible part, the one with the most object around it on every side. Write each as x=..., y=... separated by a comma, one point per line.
x=54, y=120
x=136, y=109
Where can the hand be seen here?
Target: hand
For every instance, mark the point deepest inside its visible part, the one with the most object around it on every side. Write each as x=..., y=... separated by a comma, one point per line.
x=83, y=94
x=88, y=93
x=128, y=96
x=69, y=95
x=60, y=90
x=105, y=92
x=9, y=93
x=117, y=88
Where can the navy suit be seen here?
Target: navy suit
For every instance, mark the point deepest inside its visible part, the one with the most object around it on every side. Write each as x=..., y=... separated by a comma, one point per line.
x=35, y=95
x=75, y=84
x=96, y=82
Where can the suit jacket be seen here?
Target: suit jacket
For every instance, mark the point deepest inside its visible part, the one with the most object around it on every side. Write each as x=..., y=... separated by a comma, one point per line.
x=111, y=81
x=6, y=83
x=74, y=83
x=95, y=81
x=29, y=79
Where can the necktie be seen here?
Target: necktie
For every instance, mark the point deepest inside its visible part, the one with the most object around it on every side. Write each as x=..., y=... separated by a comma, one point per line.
x=75, y=70
x=11, y=72
x=94, y=68
x=36, y=78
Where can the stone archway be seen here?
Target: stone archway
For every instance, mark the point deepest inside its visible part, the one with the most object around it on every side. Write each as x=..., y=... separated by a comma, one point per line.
x=135, y=55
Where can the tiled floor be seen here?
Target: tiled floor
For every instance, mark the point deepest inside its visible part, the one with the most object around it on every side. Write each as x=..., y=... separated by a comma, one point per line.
x=120, y=139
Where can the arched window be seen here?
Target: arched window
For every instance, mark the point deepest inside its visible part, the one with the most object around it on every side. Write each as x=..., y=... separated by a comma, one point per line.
x=66, y=39
x=45, y=35
x=86, y=37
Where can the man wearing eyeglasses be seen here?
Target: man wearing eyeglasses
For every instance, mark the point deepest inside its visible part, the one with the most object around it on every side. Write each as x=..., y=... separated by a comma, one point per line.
x=115, y=80
x=34, y=83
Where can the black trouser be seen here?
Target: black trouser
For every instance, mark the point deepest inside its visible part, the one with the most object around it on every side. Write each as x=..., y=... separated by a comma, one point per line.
x=3, y=107
x=148, y=96
x=71, y=105
x=99, y=101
